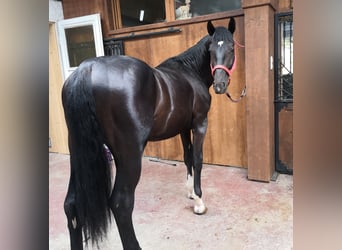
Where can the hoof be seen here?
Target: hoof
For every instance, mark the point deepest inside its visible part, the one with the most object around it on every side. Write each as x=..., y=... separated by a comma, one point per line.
x=200, y=210
x=199, y=207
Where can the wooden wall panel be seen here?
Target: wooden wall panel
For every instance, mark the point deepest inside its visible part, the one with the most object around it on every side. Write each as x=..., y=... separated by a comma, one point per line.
x=286, y=136
x=77, y=8
x=57, y=127
x=225, y=142
x=285, y=5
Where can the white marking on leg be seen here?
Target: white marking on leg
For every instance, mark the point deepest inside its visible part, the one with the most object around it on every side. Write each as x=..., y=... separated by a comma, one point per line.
x=74, y=222
x=220, y=43
x=190, y=186
x=199, y=207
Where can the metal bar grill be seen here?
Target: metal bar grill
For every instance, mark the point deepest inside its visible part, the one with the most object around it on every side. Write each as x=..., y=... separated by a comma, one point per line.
x=284, y=57
x=283, y=96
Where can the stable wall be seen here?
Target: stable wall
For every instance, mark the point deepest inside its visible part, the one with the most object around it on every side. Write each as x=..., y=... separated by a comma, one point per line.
x=225, y=142
x=237, y=135
x=58, y=134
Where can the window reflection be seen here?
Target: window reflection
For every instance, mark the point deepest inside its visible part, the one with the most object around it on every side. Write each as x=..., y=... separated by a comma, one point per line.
x=183, y=9
x=139, y=12
x=191, y=8
x=80, y=44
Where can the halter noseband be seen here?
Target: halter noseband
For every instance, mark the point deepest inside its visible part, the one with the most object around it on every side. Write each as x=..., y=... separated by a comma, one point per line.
x=220, y=66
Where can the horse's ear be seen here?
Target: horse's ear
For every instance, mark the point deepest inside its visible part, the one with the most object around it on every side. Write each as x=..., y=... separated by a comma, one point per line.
x=231, y=25
x=210, y=28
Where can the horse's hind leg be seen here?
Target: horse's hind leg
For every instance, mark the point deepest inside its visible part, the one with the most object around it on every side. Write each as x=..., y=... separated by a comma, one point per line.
x=188, y=160
x=75, y=228
x=128, y=170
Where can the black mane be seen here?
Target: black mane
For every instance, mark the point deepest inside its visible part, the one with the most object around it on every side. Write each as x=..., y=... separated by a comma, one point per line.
x=193, y=58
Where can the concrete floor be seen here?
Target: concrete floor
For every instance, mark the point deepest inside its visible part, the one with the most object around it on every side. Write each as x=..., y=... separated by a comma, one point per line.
x=242, y=214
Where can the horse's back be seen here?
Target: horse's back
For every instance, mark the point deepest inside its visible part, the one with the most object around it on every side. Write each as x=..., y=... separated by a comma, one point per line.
x=114, y=72
x=118, y=73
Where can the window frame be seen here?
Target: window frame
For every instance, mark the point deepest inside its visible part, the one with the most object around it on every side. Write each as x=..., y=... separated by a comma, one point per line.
x=170, y=19
x=88, y=20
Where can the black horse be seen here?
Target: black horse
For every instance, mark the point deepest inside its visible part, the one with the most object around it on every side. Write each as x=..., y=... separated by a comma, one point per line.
x=123, y=103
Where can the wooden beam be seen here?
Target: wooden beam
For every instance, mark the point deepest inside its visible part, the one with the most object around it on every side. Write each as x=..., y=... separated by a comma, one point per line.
x=170, y=10
x=259, y=42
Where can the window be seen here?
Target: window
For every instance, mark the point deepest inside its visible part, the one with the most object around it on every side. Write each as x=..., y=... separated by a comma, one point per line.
x=134, y=13
x=80, y=44
x=80, y=38
x=191, y=8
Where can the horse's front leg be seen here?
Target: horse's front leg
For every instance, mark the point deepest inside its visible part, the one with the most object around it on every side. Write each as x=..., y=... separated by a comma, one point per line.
x=198, y=138
x=188, y=160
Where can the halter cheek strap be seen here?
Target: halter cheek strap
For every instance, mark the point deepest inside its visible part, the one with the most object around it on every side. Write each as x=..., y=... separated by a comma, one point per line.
x=220, y=66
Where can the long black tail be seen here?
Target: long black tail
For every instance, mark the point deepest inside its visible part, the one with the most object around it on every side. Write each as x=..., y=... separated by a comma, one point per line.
x=90, y=168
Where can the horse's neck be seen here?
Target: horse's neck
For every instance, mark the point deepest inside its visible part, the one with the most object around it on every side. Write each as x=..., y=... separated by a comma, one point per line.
x=195, y=60
x=203, y=60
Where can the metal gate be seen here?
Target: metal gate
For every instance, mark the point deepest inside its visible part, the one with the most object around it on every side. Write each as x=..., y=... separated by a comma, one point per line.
x=284, y=92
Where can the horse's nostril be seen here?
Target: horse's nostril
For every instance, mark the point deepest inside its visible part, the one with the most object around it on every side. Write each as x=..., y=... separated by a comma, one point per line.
x=220, y=87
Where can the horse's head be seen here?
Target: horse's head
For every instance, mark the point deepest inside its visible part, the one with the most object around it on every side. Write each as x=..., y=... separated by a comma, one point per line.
x=222, y=55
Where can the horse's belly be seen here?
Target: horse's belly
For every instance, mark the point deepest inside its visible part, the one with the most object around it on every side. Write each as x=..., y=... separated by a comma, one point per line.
x=168, y=126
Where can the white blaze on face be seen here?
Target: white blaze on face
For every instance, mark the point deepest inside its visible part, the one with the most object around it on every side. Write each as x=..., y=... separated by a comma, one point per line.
x=220, y=43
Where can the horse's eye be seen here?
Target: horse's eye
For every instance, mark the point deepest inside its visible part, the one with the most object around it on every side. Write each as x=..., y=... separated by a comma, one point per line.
x=212, y=48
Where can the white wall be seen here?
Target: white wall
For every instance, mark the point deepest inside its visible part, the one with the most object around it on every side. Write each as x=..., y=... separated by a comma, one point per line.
x=55, y=11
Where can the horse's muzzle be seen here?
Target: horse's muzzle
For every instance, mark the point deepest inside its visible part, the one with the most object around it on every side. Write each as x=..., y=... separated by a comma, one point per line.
x=220, y=87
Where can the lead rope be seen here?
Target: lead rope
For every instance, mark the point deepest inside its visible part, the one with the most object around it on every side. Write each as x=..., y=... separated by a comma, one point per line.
x=244, y=91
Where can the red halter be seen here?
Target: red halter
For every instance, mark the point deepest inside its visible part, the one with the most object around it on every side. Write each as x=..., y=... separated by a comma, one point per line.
x=220, y=66
x=230, y=72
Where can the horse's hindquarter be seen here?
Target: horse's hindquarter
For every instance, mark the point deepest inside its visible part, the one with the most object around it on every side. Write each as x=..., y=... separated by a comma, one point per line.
x=124, y=91
x=176, y=99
